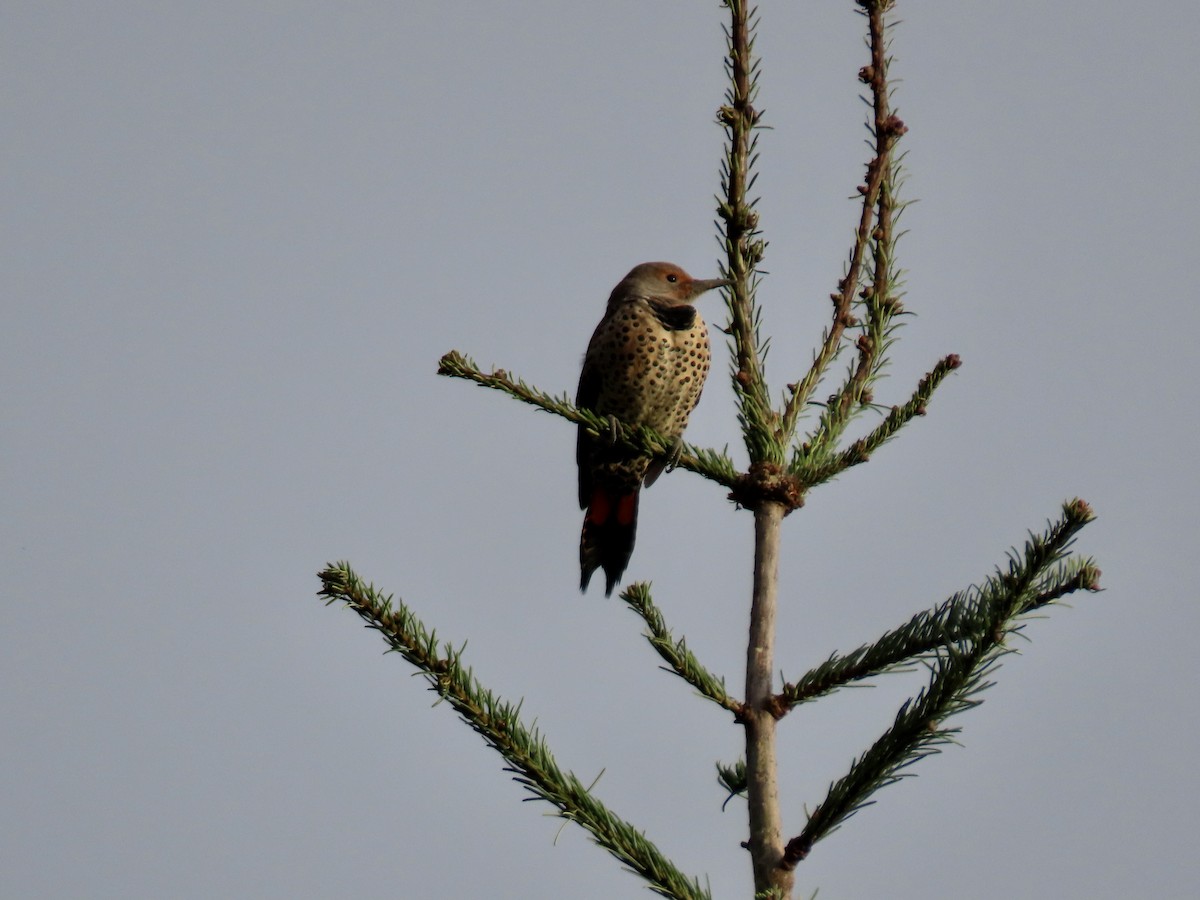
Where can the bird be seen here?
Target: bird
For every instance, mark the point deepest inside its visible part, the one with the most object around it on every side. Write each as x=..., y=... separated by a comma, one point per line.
x=645, y=365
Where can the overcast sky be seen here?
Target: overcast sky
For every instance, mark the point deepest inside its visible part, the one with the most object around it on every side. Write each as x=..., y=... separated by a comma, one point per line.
x=238, y=237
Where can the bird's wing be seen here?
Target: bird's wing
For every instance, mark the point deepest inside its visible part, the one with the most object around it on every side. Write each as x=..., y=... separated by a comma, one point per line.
x=585, y=398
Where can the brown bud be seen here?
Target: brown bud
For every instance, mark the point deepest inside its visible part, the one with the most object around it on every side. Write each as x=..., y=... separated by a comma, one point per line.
x=1081, y=509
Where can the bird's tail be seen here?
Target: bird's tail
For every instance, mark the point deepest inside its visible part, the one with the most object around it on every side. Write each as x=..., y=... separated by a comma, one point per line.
x=609, y=529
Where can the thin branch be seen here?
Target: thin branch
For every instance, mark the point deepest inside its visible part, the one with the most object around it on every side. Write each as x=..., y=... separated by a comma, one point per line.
x=676, y=653
x=811, y=474
x=965, y=616
x=917, y=732
x=843, y=301
x=741, y=239
x=711, y=464
x=878, y=300
x=498, y=722
x=957, y=672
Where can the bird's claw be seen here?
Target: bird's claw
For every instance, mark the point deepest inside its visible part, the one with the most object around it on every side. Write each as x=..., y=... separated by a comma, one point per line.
x=613, y=433
x=674, y=453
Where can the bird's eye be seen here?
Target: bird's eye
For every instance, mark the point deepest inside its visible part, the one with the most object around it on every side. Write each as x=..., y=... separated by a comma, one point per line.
x=672, y=278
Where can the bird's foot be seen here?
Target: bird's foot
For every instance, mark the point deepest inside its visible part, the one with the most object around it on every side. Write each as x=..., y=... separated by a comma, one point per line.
x=613, y=432
x=674, y=452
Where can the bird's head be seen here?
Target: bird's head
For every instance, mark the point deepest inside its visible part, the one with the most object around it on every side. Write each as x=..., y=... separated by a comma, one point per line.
x=664, y=282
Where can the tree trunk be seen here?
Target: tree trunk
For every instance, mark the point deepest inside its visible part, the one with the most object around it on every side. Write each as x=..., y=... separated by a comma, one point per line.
x=766, y=827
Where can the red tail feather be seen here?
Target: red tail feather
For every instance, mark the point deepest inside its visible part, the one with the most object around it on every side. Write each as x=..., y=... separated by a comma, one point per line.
x=609, y=530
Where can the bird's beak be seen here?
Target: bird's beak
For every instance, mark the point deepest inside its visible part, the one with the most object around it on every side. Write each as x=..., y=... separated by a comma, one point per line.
x=699, y=286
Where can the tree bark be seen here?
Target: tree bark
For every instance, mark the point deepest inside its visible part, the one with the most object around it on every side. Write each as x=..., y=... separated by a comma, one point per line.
x=766, y=826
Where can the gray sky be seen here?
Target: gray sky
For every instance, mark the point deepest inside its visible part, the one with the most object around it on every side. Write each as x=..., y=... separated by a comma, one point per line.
x=237, y=238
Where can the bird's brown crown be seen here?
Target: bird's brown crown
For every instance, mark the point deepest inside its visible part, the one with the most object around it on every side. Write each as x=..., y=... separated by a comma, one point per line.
x=663, y=282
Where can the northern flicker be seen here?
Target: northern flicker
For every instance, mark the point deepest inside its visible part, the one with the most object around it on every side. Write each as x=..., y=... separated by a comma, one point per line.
x=645, y=365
